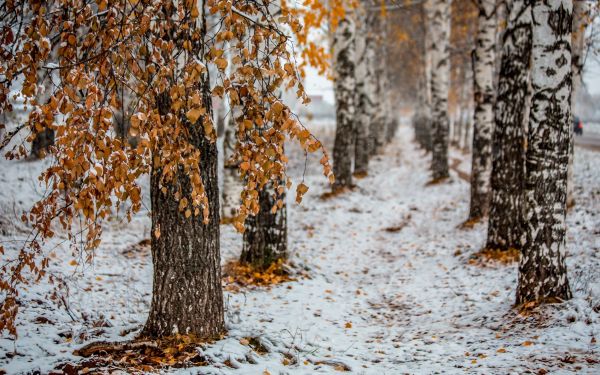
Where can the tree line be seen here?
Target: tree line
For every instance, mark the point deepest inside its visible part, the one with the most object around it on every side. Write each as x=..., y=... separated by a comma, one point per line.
x=525, y=75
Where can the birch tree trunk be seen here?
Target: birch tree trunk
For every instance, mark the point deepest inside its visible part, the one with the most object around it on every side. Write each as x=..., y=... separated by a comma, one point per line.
x=542, y=270
x=483, y=97
x=422, y=119
x=344, y=86
x=232, y=183
x=265, y=235
x=363, y=98
x=380, y=115
x=439, y=27
x=187, y=297
x=387, y=128
x=580, y=18
x=508, y=162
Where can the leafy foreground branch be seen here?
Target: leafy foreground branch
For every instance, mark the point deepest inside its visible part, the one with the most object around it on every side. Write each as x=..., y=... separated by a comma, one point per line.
x=126, y=88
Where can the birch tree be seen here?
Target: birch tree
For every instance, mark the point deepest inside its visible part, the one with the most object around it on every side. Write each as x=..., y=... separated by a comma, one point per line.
x=422, y=118
x=508, y=162
x=364, y=105
x=373, y=58
x=483, y=97
x=344, y=86
x=542, y=269
x=232, y=182
x=439, y=28
x=265, y=234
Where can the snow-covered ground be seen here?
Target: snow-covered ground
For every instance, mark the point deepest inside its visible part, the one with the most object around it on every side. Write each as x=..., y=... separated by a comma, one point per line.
x=391, y=288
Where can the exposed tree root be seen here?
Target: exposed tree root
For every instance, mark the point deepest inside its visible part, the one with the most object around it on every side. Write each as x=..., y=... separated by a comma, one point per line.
x=528, y=308
x=138, y=356
x=108, y=347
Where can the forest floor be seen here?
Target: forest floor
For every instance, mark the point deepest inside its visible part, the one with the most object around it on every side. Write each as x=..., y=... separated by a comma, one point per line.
x=392, y=285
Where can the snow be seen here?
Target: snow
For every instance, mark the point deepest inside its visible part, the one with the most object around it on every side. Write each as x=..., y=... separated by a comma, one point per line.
x=414, y=302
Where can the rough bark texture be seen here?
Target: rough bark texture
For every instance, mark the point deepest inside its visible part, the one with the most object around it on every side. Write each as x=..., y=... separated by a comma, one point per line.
x=386, y=92
x=381, y=115
x=483, y=97
x=364, y=105
x=265, y=235
x=232, y=183
x=373, y=58
x=508, y=162
x=422, y=117
x=439, y=28
x=187, y=297
x=580, y=19
x=542, y=270
x=344, y=85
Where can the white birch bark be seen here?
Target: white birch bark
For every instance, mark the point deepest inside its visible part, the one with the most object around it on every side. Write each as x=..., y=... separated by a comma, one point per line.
x=509, y=139
x=542, y=269
x=344, y=86
x=483, y=97
x=364, y=104
x=439, y=26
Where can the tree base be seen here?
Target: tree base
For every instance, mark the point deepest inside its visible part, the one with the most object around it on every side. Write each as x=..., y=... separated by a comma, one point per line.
x=487, y=255
x=470, y=223
x=140, y=355
x=360, y=174
x=438, y=181
x=335, y=191
x=526, y=308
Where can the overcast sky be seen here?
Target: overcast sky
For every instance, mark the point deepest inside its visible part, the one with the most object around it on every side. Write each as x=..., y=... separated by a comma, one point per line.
x=317, y=85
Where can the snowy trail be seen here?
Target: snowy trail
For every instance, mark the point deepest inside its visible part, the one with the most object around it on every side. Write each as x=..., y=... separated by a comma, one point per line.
x=390, y=288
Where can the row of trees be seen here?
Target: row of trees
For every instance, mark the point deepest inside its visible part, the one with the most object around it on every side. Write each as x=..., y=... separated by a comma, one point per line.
x=130, y=92
x=365, y=120
x=523, y=84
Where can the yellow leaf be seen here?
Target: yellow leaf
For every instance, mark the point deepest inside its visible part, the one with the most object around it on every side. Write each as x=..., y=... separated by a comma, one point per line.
x=73, y=262
x=221, y=63
x=194, y=114
x=348, y=325
x=302, y=189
